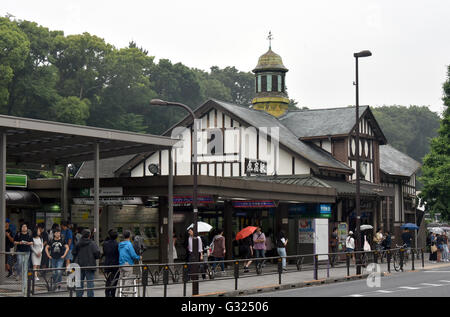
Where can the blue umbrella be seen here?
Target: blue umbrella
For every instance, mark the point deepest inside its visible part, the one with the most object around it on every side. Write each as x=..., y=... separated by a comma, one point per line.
x=409, y=226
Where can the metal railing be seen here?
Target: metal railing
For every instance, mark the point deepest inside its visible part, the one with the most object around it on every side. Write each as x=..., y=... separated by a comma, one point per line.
x=147, y=276
x=14, y=281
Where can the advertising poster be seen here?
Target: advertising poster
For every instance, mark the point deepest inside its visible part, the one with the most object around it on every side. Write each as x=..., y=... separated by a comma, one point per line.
x=306, y=232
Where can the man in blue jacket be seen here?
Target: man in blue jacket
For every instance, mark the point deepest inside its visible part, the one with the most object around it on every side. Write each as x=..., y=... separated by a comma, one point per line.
x=127, y=256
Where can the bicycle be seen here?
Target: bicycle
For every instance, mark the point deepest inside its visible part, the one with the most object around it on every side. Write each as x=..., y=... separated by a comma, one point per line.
x=397, y=257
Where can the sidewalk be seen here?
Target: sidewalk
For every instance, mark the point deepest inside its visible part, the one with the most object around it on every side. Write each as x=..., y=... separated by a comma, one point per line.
x=248, y=283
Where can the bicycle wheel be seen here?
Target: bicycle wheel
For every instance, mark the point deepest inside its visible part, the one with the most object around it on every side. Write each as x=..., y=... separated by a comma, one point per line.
x=396, y=259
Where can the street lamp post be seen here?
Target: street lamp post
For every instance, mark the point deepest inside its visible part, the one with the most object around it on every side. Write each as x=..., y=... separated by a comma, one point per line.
x=195, y=250
x=358, y=185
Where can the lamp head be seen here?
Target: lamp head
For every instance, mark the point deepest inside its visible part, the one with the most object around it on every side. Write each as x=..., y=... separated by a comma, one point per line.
x=158, y=102
x=365, y=53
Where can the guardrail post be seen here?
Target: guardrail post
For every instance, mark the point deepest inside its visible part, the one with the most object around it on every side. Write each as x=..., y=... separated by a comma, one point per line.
x=185, y=278
x=347, y=260
x=236, y=275
x=401, y=258
x=144, y=280
x=423, y=258
x=389, y=260
x=375, y=257
x=316, y=267
x=280, y=269
x=412, y=260
x=29, y=281
x=165, y=279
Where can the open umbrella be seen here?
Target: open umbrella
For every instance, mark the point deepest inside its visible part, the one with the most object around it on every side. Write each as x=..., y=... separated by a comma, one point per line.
x=436, y=230
x=201, y=226
x=409, y=226
x=365, y=227
x=244, y=233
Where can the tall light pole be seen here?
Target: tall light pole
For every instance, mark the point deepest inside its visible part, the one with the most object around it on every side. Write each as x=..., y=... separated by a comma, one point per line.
x=358, y=185
x=195, y=250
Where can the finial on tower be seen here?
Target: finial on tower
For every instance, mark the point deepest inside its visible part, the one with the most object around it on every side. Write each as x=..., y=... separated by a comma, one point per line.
x=270, y=38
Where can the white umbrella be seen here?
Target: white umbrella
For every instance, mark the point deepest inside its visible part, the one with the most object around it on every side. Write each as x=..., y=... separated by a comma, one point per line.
x=201, y=226
x=365, y=227
x=436, y=230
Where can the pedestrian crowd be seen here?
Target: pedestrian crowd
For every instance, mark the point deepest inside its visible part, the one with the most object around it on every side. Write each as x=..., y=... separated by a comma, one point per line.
x=439, y=247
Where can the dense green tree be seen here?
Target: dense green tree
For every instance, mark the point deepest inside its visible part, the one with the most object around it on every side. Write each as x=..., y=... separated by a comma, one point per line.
x=71, y=110
x=14, y=49
x=33, y=89
x=241, y=84
x=436, y=166
x=408, y=129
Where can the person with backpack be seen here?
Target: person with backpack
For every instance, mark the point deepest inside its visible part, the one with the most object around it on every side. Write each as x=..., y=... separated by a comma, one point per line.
x=111, y=254
x=56, y=250
x=218, y=250
x=127, y=256
x=23, y=240
x=68, y=235
x=85, y=254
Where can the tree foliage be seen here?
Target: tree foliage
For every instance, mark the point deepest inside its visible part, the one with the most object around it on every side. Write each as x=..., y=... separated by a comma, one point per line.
x=436, y=166
x=408, y=129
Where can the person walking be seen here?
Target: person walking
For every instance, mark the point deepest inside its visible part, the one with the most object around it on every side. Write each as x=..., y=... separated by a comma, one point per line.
x=45, y=239
x=259, y=245
x=56, y=251
x=281, y=248
x=36, y=251
x=111, y=254
x=127, y=256
x=23, y=240
x=378, y=240
x=85, y=254
x=445, y=248
x=334, y=244
x=350, y=245
x=68, y=236
x=433, y=248
x=246, y=251
x=218, y=250
x=9, y=244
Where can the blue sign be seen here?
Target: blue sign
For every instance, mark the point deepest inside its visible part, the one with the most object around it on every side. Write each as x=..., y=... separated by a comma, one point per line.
x=325, y=209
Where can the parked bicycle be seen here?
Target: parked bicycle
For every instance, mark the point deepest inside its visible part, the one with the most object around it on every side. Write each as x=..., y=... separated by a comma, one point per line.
x=397, y=257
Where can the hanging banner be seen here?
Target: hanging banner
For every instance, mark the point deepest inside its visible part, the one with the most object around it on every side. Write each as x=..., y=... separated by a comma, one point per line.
x=110, y=201
x=254, y=204
x=179, y=201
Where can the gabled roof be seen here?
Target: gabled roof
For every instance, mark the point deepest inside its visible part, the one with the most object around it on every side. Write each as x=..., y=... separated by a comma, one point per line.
x=327, y=122
x=396, y=163
x=261, y=119
x=107, y=166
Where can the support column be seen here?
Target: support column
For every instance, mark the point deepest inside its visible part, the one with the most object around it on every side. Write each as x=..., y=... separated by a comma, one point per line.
x=282, y=218
x=2, y=204
x=228, y=228
x=170, y=211
x=163, y=229
x=97, y=193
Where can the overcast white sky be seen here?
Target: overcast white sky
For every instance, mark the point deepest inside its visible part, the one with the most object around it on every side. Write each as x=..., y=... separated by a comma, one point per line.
x=409, y=40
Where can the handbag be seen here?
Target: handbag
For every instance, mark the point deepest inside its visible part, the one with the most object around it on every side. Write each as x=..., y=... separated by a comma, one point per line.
x=433, y=249
x=366, y=245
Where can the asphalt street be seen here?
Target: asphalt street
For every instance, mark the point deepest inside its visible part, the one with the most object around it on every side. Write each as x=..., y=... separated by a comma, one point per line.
x=428, y=283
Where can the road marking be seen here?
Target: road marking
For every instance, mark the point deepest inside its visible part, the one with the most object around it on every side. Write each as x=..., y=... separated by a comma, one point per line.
x=384, y=291
x=444, y=281
x=409, y=287
x=428, y=284
x=356, y=295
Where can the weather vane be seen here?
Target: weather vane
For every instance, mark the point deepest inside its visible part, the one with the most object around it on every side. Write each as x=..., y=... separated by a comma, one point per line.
x=270, y=38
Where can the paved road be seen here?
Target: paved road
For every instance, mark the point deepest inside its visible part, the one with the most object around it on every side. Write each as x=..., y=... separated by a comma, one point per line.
x=428, y=283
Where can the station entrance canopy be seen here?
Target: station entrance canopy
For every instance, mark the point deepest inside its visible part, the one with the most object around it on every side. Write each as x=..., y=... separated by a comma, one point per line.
x=27, y=143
